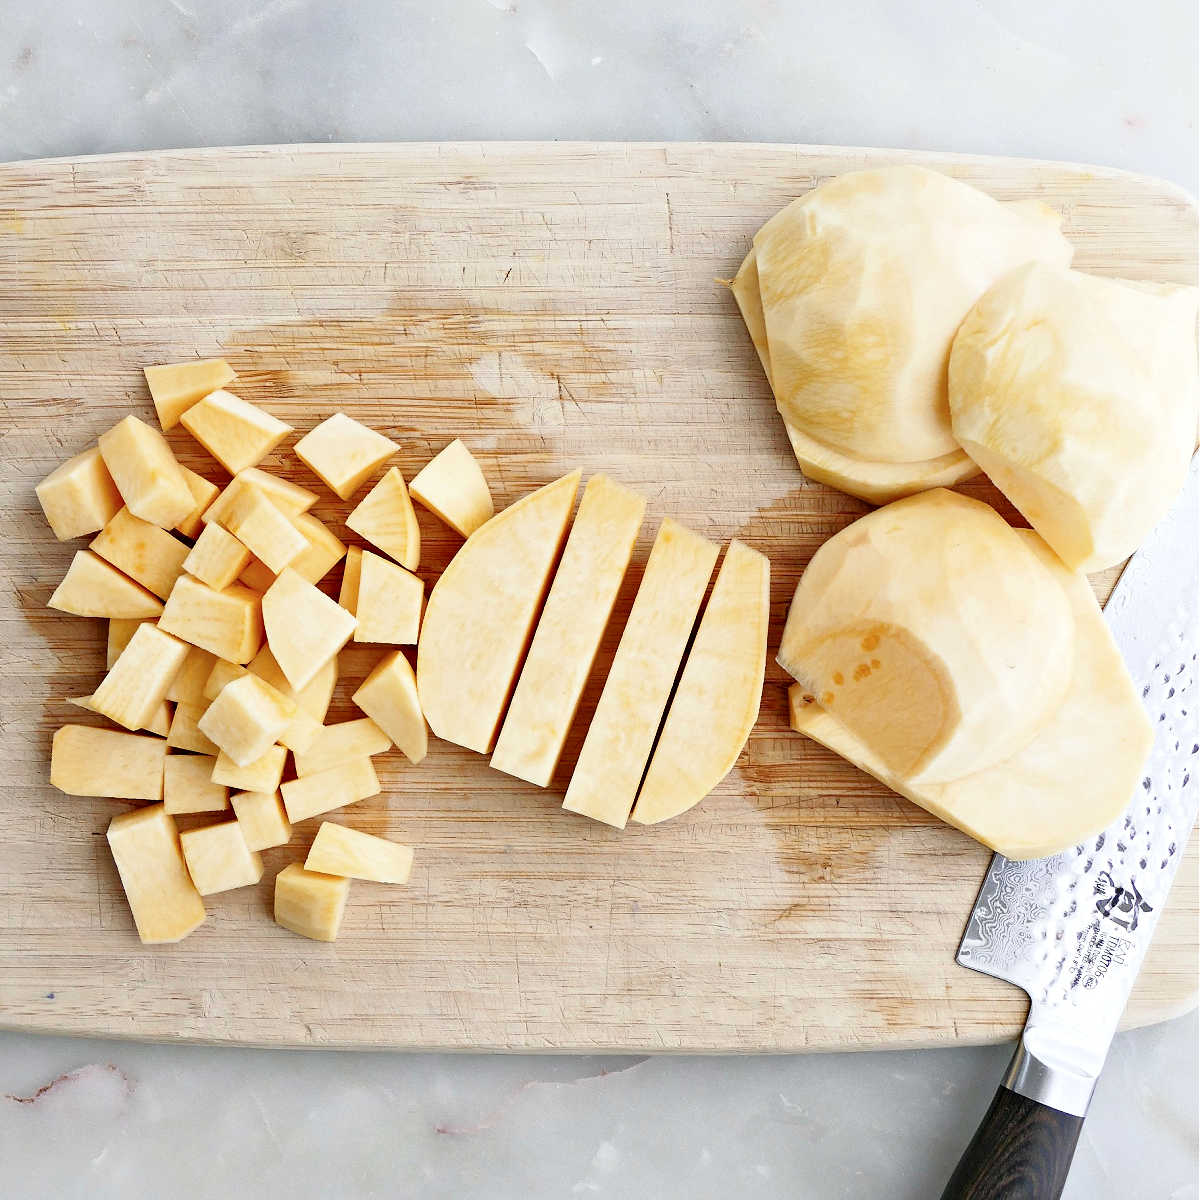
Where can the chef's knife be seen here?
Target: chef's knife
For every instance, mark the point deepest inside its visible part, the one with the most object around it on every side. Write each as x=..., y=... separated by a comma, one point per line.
x=1072, y=930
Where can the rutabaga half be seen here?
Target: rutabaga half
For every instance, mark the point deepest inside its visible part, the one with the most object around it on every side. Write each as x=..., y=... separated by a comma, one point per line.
x=933, y=633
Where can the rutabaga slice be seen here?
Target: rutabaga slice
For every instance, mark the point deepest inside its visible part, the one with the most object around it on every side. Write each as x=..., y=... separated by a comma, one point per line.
x=162, y=898
x=933, y=633
x=1078, y=396
x=481, y=613
x=1072, y=779
x=569, y=630
x=605, y=781
x=716, y=701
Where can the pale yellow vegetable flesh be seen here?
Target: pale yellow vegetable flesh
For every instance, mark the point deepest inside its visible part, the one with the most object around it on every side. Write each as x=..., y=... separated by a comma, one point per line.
x=227, y=623
x=323, y=791
x=217, y=558
x=184, y=732
x=933, y=633
x=304, y=627
x=189, y=681
x=94, y=588
x=188, y=785
x=481, y=612
x=263, y=821
x=389, y=697
x=288, y=497
x=617, y=746
x=453, y=488
x=246, y=719
x=262, y=775
x=175, y=387
x=344, y=742
x=204, y=493
x=716, y=700
x=218, y=859
x=264, y=530
x=351, y=571
x=134, y=689
x=386, y=519
x=568, y=633
x=158, y=723
x=387, y=602
x=1078, y=396
x=120, y=631
x=143, y=467
x=79, y=496
x=1072, y=779
x=309, y=903
x=313, y=698
x=337, y=850
x=107, y=762
x=322, y=552
x=344, y=453
x=238, y=434
x=162, y=898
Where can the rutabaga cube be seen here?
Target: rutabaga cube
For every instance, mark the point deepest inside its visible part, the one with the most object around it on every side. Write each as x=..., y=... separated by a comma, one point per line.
x=79, y=496
x=309, y=903
x=150, y=481
x=218, y=858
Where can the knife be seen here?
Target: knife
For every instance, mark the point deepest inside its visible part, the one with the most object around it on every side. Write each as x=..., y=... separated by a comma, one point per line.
x=1072, y=930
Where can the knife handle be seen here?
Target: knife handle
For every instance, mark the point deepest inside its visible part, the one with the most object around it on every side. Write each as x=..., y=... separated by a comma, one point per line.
x=1022, y=1150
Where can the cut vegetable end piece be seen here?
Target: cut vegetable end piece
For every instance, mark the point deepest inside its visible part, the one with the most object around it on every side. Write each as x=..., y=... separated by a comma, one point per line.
x=309, y=903
x=343, y=453
x=337, y=850
x=569, y=630
x=227, y=623
x=105, y=762
x=94, y=588
x=188, y=785
x=453, y=488
x=389, y=697
x=481, y=612
x=263, y=821
x=323, y=791
x=79, y=497
x=386, y=519
x=387, y=603
x=716, y=703
x=341, y=743
x=175, y=387
x=1070, y=781
x=237, y=434
x=605, y=781
x=162, y=898
x=142, y=465
x=305, y=628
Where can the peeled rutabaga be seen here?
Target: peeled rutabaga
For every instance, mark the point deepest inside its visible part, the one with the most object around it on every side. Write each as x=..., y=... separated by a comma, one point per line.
x=862, y=284
x=934, y=634
x=1078, y=396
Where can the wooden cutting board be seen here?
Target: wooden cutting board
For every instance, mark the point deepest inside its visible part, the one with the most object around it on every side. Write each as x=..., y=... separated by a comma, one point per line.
x=555, y=306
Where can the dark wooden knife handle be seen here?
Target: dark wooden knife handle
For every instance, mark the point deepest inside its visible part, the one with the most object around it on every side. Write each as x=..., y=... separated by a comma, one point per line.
x=1021, y=1151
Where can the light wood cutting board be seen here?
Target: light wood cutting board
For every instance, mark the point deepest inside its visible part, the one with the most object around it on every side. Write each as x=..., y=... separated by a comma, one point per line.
x=554, y=305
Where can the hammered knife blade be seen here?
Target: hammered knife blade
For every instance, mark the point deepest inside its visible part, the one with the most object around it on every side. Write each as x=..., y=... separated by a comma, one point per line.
x=1072, y=930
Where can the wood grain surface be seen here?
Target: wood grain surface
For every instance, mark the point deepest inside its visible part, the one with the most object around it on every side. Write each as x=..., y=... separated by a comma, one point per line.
x=553, y=305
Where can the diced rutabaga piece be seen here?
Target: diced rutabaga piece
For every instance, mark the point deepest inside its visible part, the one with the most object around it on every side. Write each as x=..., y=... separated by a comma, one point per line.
x=264, y=530
x=1077, y=395
x=305, y=628
x=147, y=554
x=322, y=553
x=158, y=724
x=309, y=903
x=344, y=453
x=262, y=775
x=188, y=785
x=236, y=433
x=874, y=481
x=217, y=558
x=388, y=603
x=351, y=571
x=184, y=733
x=175, y=387
x=263, y=821
x=204, y=492
x=716, y=700
x=132, y=692
x=255, y=575
x=120, y=630
x=313, y=698
x=1072, y=779
x=569, y=630
x=227, y=623
x=933, y=633
x=104, y=762
x=150, y=481
x=218, y=859
x=337, y=850
x=301, y=732
x=222, y=673
x=79, y=496
x=162, y=898
x=93, y=588
x=189, y=681
x=481, y=612
x=605, y=780
x=288, y=497
x=246, y=719
x=341, y=743
x=453, y=488
x=389, y=697
x=323, y=791
x=386, y=519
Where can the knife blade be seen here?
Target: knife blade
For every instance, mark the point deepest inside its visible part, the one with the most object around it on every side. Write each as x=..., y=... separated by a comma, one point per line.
x=1072, y=930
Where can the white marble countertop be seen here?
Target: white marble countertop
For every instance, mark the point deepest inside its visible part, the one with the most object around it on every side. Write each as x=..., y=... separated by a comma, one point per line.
x=1096, y=81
